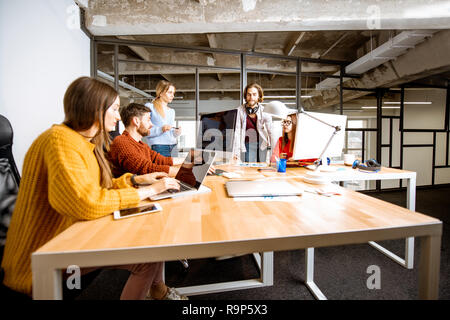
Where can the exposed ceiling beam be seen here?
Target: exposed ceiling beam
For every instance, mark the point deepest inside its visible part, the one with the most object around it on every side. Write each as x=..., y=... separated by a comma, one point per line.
x=168, y=77
x=389, y=50
x=294, y=41
x=105, y=63
x=334, y=45
x=142, y=52
x=405, y=68
x=212, y=40
x=133, y=17
x=209, y=83
x=255, y=39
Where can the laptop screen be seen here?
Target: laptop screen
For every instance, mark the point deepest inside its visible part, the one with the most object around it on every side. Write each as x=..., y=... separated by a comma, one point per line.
x=195, y=167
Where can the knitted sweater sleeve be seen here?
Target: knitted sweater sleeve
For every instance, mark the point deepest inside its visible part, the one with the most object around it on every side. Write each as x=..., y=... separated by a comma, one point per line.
x=158, y=158
x=73, y=186
x=130, y=159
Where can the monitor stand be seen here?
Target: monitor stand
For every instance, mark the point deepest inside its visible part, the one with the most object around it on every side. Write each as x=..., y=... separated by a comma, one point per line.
x=322, y=167
x=319, y=174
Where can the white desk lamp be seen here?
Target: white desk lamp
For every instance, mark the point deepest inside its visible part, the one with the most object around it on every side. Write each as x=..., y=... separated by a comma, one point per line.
x=278, y=109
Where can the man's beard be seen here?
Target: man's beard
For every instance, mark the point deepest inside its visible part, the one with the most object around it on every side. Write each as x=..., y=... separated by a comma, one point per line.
x=143, y=131
x=251, y=103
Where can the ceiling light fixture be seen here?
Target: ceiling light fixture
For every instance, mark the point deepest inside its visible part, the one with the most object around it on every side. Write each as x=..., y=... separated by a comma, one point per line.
x=286, y=103
x=286, y=97
x=407, y=102
x=384, y=107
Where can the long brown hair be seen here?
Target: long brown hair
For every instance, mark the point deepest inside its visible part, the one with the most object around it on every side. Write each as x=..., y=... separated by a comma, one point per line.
x=85, y=103
x=293, y=118
x=161, y=87
x=257, y=87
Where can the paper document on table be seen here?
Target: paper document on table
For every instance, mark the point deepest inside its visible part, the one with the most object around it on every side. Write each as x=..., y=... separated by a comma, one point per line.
x=231, y=175
x=253, y=164
x=269, y=198
x=327, y=191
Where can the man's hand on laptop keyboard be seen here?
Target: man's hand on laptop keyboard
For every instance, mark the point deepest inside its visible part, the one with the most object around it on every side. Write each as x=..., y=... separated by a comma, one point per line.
x=150, y=178
x=160, y=186
x=166, y=184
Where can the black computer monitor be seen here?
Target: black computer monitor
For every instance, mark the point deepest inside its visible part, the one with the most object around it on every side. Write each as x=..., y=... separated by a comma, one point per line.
x=216, y=132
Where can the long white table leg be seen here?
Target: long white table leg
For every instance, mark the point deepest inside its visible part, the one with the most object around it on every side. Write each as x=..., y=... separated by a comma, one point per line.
x=411, y=205
x=388, y=253
x=408, y=262
x=267, y=268
x=309, y=257
x=409, y=252
x=264, y=261
x=411, y=194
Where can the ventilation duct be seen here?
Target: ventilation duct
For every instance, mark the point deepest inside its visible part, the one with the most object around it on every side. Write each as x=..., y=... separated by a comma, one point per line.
x=389, y=50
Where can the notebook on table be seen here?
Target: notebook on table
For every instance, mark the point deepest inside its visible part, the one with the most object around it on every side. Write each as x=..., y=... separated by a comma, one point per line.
x=255, y=188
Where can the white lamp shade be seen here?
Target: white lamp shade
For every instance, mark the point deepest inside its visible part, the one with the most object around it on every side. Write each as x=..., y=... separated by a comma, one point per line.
x=278, y=109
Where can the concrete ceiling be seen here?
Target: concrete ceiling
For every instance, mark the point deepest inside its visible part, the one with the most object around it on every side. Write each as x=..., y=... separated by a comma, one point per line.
x=289, y=28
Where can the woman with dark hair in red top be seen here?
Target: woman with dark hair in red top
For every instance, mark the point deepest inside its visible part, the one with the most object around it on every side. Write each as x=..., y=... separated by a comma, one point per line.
x=285, y=143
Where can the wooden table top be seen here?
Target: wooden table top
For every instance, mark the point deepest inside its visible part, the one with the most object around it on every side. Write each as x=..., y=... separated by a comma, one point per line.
x=214, y=217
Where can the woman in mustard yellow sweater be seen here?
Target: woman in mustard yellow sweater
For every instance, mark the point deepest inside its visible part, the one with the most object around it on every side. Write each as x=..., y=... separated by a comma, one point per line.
x=66, y=178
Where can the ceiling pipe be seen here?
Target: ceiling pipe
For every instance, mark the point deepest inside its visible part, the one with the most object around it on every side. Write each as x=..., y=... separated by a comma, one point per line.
x=124, y=84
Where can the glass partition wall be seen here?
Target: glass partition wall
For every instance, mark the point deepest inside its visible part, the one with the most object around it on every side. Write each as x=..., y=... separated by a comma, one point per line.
x=210, y=80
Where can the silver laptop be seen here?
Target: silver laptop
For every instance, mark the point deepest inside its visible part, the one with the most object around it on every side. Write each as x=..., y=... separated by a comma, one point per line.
x=269, y=188
x=191, y=174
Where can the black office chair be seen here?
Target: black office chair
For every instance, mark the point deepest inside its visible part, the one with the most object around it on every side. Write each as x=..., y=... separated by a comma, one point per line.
x=6, y=141
x=9, y=177
x=9, y=186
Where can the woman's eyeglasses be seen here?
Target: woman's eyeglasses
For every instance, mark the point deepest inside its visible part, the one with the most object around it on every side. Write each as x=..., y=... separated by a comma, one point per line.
x=286, y=122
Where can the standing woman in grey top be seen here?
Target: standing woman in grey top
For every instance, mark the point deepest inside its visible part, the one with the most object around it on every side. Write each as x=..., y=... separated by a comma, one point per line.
x=163, y=134
x=253, y=127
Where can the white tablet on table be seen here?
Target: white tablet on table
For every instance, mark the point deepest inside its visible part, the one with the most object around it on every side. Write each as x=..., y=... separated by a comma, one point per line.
x=133, y=212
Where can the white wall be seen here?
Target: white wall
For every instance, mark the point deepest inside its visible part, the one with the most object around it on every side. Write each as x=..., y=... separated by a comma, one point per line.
x=425, y=117
x=42, y=50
